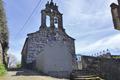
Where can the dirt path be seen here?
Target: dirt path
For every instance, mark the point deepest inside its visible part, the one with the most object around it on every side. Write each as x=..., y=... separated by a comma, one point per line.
x=26, y=75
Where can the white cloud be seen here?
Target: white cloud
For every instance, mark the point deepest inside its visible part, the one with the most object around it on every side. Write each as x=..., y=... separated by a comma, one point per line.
x=111, y=43
x=90, y=23
x=87, y=15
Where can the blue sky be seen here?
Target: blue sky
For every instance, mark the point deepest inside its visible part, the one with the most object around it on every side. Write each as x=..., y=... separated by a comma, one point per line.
x=88, y=21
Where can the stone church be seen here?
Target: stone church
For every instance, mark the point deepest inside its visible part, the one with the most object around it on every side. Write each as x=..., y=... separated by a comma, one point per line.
x=50, y=49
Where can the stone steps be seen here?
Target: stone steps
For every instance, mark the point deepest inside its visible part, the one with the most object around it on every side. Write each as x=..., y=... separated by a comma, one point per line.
x=90, y=78
x=87, y=77
x=84, y=75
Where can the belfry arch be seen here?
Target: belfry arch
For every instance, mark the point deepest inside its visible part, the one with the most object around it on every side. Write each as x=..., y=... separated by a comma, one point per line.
x=51, y=10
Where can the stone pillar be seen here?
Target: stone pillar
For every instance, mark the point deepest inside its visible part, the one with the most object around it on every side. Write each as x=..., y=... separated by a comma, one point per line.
x=43, y=19
x=119, y=2
x=115, y=16
x=60, y=23
x=52, y=26
x=119, y=8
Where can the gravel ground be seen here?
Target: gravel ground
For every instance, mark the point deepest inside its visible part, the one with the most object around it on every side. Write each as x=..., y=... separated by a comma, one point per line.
x=26, y=75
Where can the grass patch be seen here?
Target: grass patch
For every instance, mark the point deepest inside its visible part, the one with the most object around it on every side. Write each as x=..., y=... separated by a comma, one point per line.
x=2, y=70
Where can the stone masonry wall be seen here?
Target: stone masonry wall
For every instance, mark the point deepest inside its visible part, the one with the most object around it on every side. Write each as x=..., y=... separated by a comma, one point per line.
x=107, y=68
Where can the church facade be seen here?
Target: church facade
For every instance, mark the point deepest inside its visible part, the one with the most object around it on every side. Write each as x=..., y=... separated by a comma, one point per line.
x=50, y=49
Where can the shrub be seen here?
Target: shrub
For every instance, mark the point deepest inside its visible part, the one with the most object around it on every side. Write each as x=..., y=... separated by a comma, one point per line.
x=18, y=65
x=2, y=70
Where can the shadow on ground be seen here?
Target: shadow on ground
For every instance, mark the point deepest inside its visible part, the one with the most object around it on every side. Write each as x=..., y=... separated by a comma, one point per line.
x=31, y=73
x=25, y=72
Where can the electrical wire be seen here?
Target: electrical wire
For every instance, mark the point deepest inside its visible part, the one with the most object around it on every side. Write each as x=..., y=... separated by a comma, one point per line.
x=28, y=18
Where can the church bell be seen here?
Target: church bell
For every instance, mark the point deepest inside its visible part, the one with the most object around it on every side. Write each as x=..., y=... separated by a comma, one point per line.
x=55, y=20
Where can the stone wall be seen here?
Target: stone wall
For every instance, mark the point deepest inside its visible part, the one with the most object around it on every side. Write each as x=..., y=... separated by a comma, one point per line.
x=110, y=69
x=107, y=68
x=43, y=50
x=24, y=55
x=56, y=61
x=53, y=54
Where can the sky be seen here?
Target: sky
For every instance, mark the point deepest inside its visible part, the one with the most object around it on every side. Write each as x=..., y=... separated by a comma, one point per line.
x=87, y=21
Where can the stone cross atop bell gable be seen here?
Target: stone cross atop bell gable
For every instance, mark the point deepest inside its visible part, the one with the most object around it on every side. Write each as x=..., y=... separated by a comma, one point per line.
x=51, y=10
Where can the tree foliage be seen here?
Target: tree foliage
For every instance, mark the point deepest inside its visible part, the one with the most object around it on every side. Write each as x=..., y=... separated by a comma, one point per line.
x=2, y=70
x=18, y=65
x=4, y=34
x=3, y=27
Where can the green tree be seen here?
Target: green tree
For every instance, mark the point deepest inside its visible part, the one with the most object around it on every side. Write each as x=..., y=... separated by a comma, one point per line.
x=4, y=35
x=18, y=65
